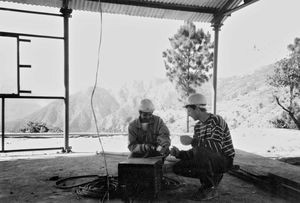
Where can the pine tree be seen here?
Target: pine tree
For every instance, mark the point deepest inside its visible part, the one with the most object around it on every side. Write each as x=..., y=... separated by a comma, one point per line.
x=189, y=61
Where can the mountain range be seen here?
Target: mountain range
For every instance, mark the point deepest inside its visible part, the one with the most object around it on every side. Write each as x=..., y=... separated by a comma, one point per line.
x=244, y=101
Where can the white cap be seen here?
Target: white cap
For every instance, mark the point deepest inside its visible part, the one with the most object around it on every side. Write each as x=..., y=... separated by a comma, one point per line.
x=196, y=99
x=146, y=105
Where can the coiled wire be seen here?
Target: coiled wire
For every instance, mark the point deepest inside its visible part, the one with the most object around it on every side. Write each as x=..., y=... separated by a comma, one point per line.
x=97, y=188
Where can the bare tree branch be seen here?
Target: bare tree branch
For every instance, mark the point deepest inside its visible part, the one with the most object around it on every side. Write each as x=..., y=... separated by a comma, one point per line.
x=291, y=114
x=278, y=102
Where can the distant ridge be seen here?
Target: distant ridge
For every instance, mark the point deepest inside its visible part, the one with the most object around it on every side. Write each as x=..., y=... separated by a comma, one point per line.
x=244, y=101
x=79, y=109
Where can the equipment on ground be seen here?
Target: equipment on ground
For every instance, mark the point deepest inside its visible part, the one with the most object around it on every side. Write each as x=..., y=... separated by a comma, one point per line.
x=140, y=178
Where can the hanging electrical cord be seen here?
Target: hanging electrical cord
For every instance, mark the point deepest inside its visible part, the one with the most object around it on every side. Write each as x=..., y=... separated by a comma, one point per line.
x=92, y=106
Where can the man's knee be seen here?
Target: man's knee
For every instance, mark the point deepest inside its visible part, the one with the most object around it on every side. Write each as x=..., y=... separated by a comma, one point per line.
x=177, y=167
x=182, y=168
x=202, y=154
x=186, y=168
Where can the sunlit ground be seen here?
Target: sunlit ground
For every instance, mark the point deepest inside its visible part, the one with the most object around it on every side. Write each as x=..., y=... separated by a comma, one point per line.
x=275, y=143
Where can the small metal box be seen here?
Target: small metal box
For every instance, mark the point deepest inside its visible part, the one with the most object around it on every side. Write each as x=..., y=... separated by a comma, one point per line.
x=140, y=177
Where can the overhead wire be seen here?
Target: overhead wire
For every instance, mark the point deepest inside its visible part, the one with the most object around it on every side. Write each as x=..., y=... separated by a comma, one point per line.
x=87, y=189
x=92, y=104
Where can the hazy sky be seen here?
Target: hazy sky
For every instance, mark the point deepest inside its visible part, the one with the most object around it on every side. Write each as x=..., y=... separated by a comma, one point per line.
x=132, y=46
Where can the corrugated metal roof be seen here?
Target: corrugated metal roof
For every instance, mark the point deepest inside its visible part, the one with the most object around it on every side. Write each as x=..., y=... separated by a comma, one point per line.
x=191, y=10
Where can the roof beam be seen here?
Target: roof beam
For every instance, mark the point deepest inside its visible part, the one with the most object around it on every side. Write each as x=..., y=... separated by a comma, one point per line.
x=220, y=15
x=161, y=5
x=246, y=3
x=65, y=4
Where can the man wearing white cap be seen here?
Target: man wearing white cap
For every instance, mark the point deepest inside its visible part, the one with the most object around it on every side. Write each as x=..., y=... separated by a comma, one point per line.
x=148, y=135
x=212, y=151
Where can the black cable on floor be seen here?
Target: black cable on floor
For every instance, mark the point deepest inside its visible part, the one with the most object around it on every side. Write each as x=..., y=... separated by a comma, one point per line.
x=97, y=188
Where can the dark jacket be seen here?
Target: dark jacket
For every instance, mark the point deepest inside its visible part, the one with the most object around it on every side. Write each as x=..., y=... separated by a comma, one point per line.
x=141, y=141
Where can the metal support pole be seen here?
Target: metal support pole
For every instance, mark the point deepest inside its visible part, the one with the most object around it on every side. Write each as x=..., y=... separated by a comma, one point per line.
x=3, y=123
x=18, y=66
x=216, y=29
x=66, y=13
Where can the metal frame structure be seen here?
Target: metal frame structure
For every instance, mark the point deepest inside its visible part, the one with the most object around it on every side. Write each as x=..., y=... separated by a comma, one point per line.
x=65, y=14
x=212, y=11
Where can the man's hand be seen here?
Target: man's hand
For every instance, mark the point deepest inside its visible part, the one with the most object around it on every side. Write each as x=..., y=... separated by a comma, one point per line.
x=163, y=150
x=186, y=140
x=174, y=151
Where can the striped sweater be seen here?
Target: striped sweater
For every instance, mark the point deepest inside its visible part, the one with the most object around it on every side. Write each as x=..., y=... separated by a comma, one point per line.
x=214, y=134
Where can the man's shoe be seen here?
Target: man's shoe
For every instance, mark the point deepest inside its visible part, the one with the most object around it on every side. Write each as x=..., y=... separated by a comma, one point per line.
x=210, y=193
x=205, y=194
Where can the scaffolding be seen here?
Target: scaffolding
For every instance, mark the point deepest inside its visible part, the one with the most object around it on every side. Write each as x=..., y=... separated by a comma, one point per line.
x=65, y=14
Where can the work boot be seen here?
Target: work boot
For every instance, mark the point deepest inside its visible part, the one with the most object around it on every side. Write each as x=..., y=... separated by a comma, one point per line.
x=205, y=193
x=210, y=193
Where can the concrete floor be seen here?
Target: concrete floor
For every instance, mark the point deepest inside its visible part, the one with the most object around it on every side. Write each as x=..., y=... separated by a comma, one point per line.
x=28, y=180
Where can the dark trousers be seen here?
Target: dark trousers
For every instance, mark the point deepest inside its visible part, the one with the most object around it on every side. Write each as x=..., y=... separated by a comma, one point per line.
x=205, y=165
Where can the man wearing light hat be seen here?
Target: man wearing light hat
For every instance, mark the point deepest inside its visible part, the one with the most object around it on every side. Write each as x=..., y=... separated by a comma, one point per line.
x=212, y=151
x=148, y=135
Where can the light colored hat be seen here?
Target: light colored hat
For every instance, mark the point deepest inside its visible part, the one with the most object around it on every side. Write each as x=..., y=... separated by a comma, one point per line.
x=146, y=105
x=196, y=99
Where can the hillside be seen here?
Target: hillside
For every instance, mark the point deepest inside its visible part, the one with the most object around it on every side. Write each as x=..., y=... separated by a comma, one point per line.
x=247, y=101
x=236, y=86
x=79, y=109
x=244, y=101
x=19, y=108
x=16, y=109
